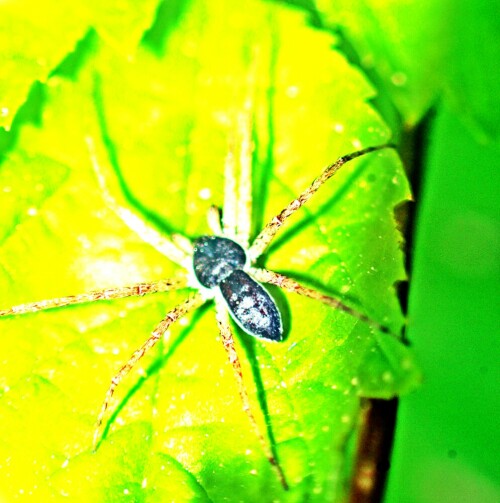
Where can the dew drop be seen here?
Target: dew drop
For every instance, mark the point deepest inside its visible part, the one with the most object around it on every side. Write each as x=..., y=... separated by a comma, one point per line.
x=399, y=79
x=292, y=91
x=205, y=194
x=346, y=419
x=387, y=377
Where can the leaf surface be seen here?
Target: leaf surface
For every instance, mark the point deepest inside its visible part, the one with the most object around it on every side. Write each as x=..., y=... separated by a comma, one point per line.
x=163, y=122
x=36, y=36
x=420, y=52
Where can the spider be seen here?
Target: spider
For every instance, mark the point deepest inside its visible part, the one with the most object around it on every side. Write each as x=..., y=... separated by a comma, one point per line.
x=220, y=267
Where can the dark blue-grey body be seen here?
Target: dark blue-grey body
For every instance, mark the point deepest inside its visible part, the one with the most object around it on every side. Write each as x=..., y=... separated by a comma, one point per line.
x=218, y=263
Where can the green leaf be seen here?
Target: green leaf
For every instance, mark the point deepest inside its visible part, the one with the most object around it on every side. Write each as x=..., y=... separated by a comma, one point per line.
x=36, y=36
x=472, y=83
x=403, y=44
x=421, y=51
x=454, y=326
x=164, y=121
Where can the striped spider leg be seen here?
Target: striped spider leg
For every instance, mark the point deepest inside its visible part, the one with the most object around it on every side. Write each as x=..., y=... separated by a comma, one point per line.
x=235, y=229
x=267, y=234
x=177, y=249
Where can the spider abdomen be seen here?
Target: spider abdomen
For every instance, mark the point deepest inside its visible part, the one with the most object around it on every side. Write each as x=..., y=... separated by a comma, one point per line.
x=251, y=306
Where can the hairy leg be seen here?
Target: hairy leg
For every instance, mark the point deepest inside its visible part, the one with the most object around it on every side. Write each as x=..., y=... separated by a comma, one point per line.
x=136, y=290
x=131, y=219
x=171, y=317
x=290, y=285
x=229, y=216
x=267, y=234
x=214, y=220
x=244, y=212
x=228, y=341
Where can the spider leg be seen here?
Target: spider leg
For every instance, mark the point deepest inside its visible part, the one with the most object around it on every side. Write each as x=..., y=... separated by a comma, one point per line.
x=228, y=341
x=290, y=285
x=229, y=218
x=238, y=198
x=267, y=234
x=244, y=210
x=136, y=290
x=171, y=317
x=183, y=243
x=214, y=220
x=131, y=219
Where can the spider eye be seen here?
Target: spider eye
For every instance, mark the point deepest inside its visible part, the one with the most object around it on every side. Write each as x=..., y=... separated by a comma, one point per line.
x=251, y=306
x=215, y=258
